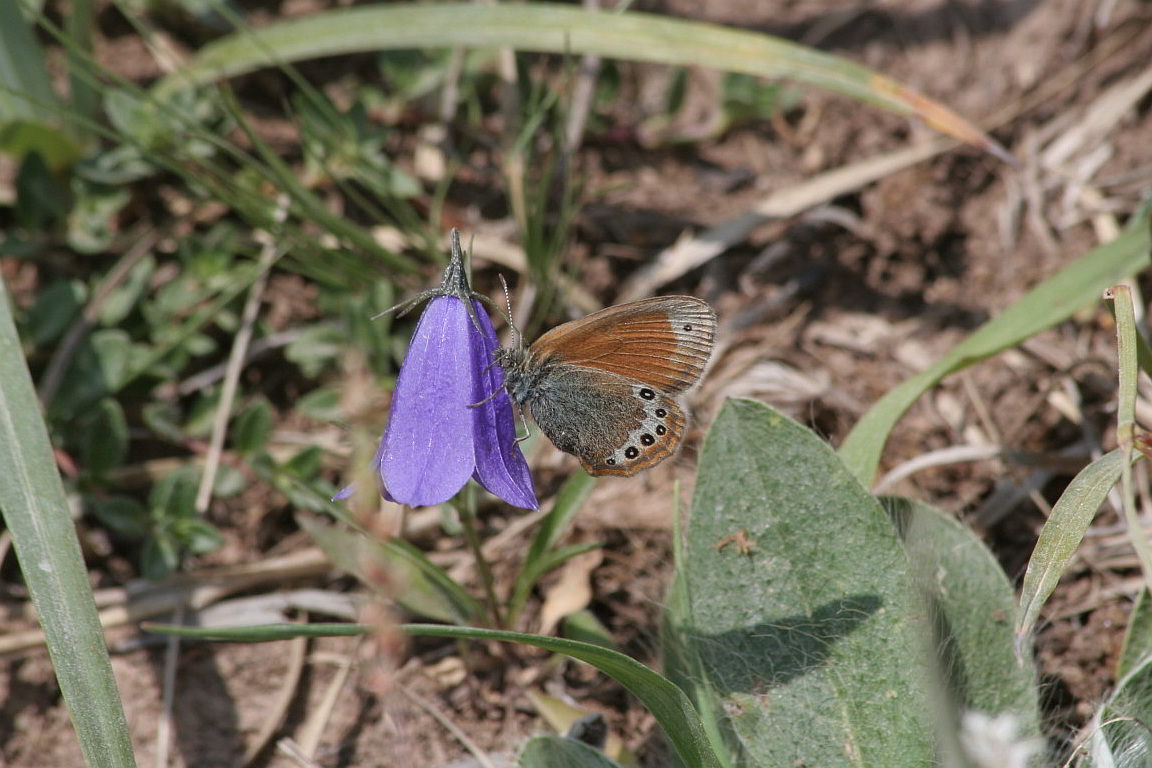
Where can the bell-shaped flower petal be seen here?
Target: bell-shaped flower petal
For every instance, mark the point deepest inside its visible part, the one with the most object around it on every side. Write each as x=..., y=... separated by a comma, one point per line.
x=427, y=451
x=500, y=467
x=451, y=419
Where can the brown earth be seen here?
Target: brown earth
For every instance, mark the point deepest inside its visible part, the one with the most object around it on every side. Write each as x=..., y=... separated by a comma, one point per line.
x=821, y=314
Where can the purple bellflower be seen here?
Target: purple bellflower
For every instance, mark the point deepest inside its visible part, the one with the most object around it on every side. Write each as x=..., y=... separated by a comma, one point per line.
x=451, y=418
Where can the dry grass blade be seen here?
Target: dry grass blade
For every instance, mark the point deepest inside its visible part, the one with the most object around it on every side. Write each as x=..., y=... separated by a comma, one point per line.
x=1097, y=119
x=291, y=750
x=474, y=748
x=688, y=254
x=955, y=454
x=298, y=654
x=197, y=589
x=268, y=255
x=312, y=731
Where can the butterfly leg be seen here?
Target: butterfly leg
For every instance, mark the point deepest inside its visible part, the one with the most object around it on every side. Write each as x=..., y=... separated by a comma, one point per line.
x=527, y=428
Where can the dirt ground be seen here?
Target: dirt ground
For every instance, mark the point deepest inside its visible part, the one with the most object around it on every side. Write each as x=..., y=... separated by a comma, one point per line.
x=820, y=315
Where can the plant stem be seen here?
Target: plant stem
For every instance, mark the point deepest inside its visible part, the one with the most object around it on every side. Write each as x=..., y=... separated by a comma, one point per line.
x=468, y=522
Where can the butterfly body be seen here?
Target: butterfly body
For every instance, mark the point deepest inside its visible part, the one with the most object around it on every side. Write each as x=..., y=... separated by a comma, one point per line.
x=603, y=387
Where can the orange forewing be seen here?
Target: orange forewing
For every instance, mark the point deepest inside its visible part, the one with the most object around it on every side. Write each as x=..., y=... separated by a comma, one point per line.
x=664, y=342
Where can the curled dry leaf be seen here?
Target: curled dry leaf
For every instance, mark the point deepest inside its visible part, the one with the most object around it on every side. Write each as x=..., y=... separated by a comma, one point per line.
x=572, y=592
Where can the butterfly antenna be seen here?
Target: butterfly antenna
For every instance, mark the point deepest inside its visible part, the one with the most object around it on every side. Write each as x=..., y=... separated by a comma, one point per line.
x=508, y=301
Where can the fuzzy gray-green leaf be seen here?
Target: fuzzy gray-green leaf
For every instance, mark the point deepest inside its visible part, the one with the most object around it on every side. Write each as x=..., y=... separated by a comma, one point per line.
x=559, y=752
x=1119, y=734
x=970, y=602
x=1062, y=534
x=797, y=607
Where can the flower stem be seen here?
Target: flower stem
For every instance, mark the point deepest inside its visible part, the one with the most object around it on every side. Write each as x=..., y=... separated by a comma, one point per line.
x=468, y=523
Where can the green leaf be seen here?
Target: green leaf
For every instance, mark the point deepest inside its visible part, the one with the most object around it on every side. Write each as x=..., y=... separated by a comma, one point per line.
x=20, y=138
x=121, y=514
x=319, y=346
x=41, y=199
x=559, y=752
x=970, y=602
x=114, y=353
x=312, y=495
x=198, y=422
x=534, y=571
x=97, y=371
x=1050, y=302
x=37, y=515
x=324, y=404
x=229, y=482
x=369, y=332
x=198, y=536
x=569, y=500
x=159, y=557
x=90, y=219
x=253, y=427
x=170, y=338
x=1120, y=735
x=174, y=496
x=1137, y=637
x=56, y=308
x=306, y=463
x=1127, y=354
x=1061, y=535
x=123, y=298
x=798, y=621
x=105, y=437
x=163, y=418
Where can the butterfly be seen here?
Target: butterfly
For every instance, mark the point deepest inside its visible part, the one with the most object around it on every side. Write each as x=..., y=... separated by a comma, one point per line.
x=604, y=387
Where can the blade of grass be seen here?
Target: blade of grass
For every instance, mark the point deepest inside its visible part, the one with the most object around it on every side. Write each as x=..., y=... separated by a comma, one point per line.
x=1126, y=353
x=569, y=500
x=1061, y=535
x=312, y=208
x=36, y=514
x=262, y=634
x=1050, y=302
x=550, y=28
x=80, y=21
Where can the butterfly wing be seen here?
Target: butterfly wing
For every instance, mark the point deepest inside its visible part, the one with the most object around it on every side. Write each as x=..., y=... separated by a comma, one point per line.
x=665, y=342
x=613, y=425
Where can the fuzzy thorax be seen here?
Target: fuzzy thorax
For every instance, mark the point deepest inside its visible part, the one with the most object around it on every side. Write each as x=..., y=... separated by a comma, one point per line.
x=521, y=373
